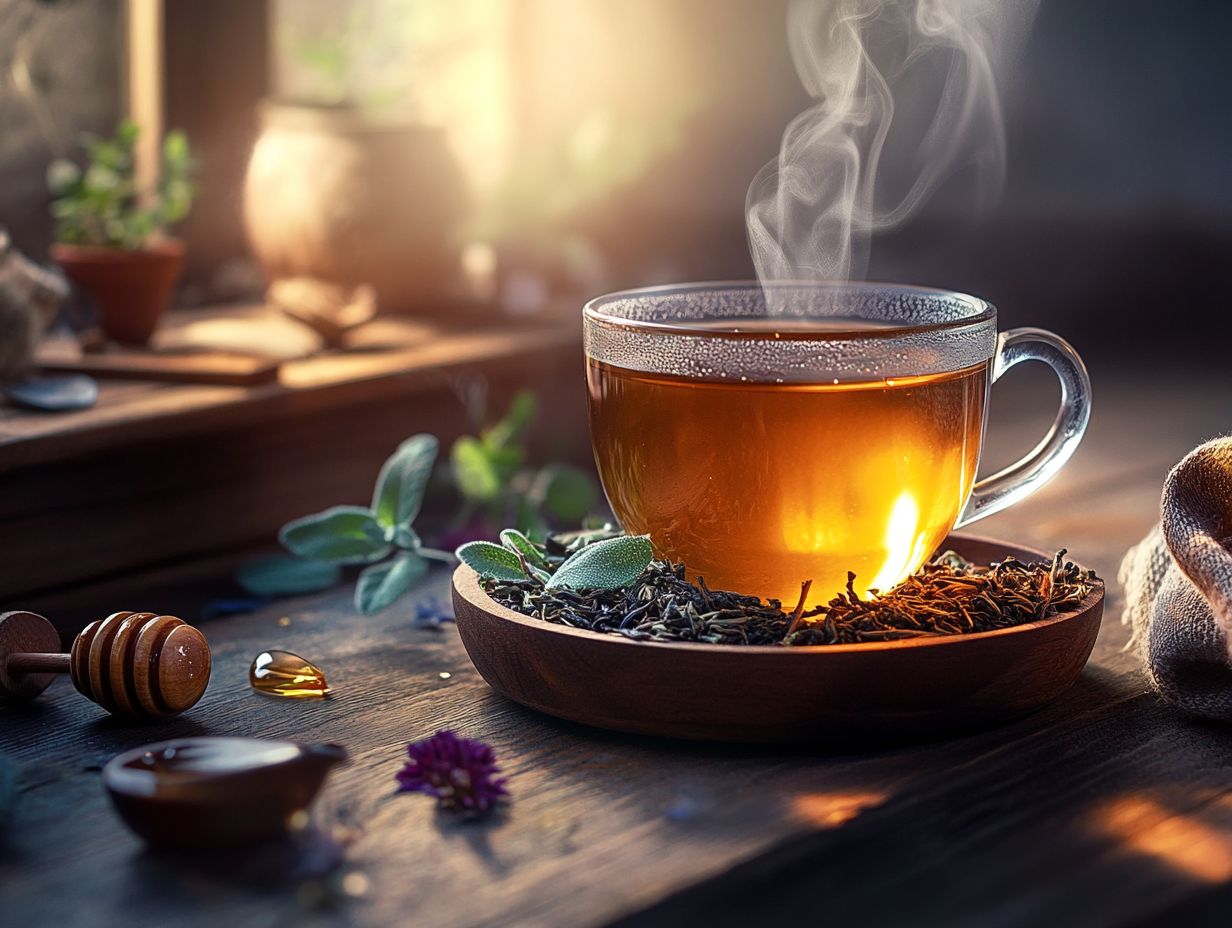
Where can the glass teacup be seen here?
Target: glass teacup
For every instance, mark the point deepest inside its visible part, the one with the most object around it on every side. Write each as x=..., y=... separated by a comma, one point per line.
x=765, y=436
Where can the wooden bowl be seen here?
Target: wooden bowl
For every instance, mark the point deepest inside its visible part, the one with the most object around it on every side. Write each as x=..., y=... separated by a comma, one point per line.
x=918, y=687
x=199, y=793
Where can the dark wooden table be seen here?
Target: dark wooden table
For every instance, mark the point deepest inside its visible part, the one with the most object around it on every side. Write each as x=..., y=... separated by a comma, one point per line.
x=1106, y=808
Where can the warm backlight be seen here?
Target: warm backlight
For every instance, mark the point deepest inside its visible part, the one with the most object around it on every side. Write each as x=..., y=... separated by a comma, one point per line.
x=760, y=486
x=1199, y=849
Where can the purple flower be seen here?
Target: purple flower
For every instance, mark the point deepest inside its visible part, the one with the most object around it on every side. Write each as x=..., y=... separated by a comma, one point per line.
x=430, y=613
x=459, y=772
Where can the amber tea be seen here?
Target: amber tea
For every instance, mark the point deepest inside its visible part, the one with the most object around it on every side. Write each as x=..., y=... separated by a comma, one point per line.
x=758, y=486
x=768, y=434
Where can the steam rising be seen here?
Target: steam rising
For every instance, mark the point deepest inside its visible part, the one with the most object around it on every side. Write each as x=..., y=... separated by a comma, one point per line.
x=849, y=166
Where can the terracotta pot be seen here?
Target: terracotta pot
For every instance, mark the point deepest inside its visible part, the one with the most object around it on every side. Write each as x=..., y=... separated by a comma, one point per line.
x=132, y=287
x=334, y=194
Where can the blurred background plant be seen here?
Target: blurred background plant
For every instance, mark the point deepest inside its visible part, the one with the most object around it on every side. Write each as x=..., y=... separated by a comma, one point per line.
x=378, y=55
x=497, y=487
x=492, y=486
x=102, y=205
x=452, y=64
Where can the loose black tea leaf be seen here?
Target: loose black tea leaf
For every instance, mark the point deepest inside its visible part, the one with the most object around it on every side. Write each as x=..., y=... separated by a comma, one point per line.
x=661, y=605
x=949, y=596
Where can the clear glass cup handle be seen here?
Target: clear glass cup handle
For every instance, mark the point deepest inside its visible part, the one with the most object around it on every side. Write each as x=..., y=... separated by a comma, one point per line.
x=1021, y=479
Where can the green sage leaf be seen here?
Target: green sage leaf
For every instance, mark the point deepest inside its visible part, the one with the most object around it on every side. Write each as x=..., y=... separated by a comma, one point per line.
x=516, y=421
x=568, y=493
x=515, y=541
x=491, y=560
x=286, y=575
x=381, y=584
x=404, y=537
x=175, y=148
x=342, y=534
x=475, y=473
x=403, y=479
x=529, y=521
x=605, y=565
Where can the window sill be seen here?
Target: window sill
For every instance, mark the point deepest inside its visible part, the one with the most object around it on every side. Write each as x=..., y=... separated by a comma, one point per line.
x=157, y=474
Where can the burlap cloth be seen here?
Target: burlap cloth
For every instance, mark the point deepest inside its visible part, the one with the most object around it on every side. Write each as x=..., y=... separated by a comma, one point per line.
x=1178, y=586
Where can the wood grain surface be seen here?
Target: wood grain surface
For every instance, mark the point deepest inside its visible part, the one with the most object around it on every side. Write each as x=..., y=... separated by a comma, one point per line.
x=1105, y=808
x=214, y=367
x=878, y=692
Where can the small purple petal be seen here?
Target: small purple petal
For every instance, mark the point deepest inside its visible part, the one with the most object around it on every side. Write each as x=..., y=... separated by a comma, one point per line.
x=431, y=613
x=459, y=772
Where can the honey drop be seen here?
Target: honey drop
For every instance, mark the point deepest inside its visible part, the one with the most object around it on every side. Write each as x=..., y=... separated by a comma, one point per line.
x=281, y=673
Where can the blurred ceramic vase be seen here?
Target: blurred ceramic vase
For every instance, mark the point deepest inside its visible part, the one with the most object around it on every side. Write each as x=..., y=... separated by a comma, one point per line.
x=337, y=195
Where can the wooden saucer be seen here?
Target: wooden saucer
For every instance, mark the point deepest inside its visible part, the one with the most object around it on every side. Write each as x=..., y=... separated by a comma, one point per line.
x=895, y=689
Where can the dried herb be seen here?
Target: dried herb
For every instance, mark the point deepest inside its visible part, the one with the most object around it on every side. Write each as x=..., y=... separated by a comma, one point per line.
x=949, y=596
x=660, y=605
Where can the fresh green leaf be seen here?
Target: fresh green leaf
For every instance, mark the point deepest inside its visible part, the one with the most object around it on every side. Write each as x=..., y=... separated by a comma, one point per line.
x=605, y=565
x=127, y=133
x=529, y=521
x=101, y=178
x=343, y=535
x=175, y=149
x=476, y=475
x=519, y=417
x=567, y=492
x=381, y=584
x=491, y=560
x=403, y=479
x=284, y=575
x=516, y=542
x=62, y=176
x=404, y=537
x=505, y=460
x=102, y=205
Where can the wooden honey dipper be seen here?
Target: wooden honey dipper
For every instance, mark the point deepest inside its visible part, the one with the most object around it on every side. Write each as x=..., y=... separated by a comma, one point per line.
x=136, y=664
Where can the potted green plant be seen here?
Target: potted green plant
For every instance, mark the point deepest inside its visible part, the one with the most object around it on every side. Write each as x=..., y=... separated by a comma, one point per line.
x=111, y=236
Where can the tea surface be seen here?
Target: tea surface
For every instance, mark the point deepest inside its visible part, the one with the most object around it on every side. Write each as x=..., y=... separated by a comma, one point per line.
x=759, y=486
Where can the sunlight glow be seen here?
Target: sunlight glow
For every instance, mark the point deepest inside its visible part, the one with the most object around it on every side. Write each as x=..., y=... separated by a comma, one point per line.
x=903, y=543
x=830, y=810
x=1201, y=850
